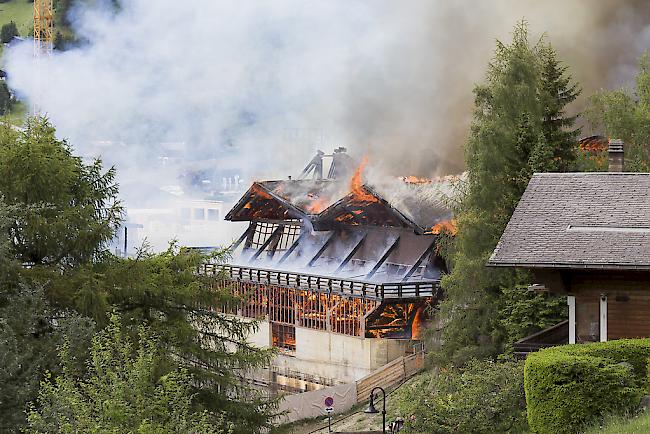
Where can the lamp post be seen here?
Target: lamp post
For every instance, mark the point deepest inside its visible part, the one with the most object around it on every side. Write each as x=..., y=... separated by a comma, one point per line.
x=372, y=410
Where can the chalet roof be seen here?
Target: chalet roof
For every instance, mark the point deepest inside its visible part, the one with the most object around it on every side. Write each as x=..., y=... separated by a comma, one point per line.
x=389, y=203
x=579, y=220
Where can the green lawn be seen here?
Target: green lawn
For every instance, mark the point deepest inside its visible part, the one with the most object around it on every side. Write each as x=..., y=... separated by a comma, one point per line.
x=636, y=425
x=19, y=11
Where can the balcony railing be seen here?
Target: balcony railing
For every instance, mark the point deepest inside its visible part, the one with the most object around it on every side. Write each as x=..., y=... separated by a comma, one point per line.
x=328, y=284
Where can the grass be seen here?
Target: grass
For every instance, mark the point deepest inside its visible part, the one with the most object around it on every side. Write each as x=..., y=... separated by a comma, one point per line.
x=19, y=11
x=618, y=425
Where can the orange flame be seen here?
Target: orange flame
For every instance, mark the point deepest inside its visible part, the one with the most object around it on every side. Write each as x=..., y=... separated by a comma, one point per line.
x=411, y=179
x=359, y=193
x=419, y=324
x=444, y=226
x=317, y=205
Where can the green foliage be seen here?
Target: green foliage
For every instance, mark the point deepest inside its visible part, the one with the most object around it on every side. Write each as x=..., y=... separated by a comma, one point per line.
x=8, y=31
x=56, y=213
x=28, y=342
x=525, y=312
x=67, y=209
x=625, y=114
x=6, y=100
x=519, y=128
x=164, y=292
x=482, y=397
x=571, y=386
x=122, y=392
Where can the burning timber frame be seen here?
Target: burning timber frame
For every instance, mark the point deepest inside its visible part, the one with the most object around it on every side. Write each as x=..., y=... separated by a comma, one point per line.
x=339, y=289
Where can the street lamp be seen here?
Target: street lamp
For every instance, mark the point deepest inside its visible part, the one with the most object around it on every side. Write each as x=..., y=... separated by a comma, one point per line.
x=372, y=410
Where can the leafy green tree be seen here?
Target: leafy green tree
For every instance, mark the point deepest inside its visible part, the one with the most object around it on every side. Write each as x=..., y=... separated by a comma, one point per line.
x=482, y=397
x=625, y=114
x=67, y=210
x=519, y=128
x=8, y=31
x=122, y=392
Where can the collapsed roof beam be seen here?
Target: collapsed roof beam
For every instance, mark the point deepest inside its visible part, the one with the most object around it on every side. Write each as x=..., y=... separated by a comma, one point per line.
x=276, y=233
x=422, y=257
x=383, y=258
x=352, y=253
x=322, y=249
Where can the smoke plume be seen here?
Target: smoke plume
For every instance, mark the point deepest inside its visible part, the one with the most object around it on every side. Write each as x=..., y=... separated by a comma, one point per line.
x=262, y=85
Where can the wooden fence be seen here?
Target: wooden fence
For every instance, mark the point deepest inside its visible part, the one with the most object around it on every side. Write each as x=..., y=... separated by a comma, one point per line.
x=390, y=375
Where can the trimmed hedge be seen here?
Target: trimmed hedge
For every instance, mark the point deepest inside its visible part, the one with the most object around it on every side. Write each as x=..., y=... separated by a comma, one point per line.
x=570, y=386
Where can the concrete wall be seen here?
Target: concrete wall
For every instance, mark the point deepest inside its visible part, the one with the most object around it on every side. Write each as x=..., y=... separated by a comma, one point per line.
x=330, y=355
x=312, y=404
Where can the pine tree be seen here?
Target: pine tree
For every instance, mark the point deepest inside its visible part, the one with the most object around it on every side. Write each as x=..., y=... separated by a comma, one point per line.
x=522, y=102
x=556, y=92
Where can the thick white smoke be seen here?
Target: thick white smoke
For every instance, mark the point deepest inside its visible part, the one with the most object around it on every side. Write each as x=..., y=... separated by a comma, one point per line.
x=258, y=86
x=271, y=81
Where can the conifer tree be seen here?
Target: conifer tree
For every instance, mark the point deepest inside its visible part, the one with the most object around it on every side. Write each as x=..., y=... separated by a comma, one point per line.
x=519, y=127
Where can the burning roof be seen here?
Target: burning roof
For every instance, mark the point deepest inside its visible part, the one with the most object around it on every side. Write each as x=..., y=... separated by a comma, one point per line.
x=327, y=203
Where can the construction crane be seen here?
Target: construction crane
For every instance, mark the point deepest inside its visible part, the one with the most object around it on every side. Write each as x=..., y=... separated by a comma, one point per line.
x=43, y=43
x=43, y=27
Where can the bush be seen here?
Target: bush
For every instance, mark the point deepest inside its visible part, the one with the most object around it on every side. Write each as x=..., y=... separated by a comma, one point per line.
x=8, y=31
x=571, y=386
x=483, y=397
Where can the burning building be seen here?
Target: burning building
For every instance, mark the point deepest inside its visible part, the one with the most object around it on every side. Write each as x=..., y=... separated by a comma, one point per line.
x=342, y=275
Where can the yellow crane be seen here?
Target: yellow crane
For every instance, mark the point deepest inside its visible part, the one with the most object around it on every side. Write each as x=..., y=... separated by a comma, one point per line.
x=43, y=27
x=43, y=42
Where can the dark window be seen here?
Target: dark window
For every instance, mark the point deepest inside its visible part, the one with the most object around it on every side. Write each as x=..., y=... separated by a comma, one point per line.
x=283, y=336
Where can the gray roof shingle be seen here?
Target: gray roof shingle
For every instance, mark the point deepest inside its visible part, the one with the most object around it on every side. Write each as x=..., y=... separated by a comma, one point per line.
x=579, y=220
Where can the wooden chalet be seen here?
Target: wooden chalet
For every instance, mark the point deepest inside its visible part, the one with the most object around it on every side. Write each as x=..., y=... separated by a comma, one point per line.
x=342, y=276
x=585, y=235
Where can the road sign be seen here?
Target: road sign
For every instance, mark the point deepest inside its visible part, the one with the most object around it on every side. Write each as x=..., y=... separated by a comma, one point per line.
x=329, y=401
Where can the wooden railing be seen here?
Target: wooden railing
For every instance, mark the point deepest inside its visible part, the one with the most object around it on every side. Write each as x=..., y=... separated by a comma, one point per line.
x=390, y=375
x=327, y=284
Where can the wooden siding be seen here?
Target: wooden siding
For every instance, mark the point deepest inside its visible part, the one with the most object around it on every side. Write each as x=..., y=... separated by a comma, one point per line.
x=628, y=304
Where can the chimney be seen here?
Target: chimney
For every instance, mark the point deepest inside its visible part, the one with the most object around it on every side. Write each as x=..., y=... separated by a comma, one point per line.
x=616, y=154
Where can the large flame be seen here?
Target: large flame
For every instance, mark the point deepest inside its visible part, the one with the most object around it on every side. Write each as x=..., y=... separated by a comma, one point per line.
x=448, y=226
x=419, y=324
x=359, y=193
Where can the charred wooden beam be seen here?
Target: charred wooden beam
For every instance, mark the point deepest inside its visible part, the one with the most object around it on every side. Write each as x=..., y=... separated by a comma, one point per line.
x=243, y=236
x=322, y=249
x=352, y=253
x=422, y=257
x=274, y=244
x=383, y=258
x=292, y=248
x=276, y=233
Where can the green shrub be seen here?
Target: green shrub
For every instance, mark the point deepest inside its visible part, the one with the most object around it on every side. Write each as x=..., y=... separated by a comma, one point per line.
x=570, y=386
x=482, y=397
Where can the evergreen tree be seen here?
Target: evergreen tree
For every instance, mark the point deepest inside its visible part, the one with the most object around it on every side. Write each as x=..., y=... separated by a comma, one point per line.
x=556, y=92
x=6, y=99
x=522, y=102
x=8, y=31
x=58, y=215
x=66, y=210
